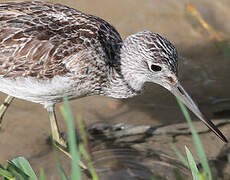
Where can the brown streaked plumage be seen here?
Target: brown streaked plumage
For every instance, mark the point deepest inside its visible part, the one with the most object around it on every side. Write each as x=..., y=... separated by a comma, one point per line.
x=48, y=51
x=37, y=39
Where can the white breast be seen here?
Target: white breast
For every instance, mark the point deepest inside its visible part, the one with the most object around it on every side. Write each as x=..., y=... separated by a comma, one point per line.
x=46, y=92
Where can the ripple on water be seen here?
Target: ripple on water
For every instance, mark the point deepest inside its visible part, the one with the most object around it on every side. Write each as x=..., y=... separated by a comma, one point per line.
x=127, y=163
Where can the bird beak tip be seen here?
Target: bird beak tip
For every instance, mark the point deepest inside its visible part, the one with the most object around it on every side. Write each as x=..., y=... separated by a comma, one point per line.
x=179, y=92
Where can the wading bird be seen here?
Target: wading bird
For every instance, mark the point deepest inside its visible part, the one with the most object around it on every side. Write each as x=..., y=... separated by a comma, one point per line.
x=48, y=51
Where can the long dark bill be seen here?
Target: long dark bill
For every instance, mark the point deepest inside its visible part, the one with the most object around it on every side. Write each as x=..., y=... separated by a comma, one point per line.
x=179, y=92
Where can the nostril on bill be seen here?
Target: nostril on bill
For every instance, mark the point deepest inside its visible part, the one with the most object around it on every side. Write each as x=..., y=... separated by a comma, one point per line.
x=181, y=90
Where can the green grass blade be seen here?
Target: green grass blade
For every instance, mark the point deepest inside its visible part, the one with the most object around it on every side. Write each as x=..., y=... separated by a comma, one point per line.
x=83, y=146
x=197, y=142
x=6, y=174
x=76, y=174
x=60, y=168
x=192, y=165
x=42, y=174
x=179, y=155
x=18, y=173
x=24, y=165
x=62, y=173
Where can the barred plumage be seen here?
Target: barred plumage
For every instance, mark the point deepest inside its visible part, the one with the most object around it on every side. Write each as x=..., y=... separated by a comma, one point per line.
x=48, y=51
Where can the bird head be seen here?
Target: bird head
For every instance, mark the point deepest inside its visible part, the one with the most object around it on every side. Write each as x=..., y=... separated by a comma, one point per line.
x=148, y=57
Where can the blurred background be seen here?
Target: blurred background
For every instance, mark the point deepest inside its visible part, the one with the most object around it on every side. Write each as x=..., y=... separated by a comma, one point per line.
x=200, y=31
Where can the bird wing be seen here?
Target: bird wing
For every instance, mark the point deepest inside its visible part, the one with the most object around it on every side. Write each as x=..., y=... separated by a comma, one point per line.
x=39, y=39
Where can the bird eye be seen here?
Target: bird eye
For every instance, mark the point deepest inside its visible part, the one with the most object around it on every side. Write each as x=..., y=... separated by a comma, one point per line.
x=155, y=68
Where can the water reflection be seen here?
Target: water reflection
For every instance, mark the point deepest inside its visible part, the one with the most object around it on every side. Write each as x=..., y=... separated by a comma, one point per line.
x=127, y=163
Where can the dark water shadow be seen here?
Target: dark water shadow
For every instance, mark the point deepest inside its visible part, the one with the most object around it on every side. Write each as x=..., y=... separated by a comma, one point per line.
x=119, y=160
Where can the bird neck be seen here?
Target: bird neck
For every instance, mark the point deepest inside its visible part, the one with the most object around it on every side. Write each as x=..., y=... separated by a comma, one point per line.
x=117, y=87
x=123, y=82
x=131, y=68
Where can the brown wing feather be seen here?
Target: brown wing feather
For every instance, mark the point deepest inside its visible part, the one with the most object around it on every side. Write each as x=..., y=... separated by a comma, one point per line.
x=36, y=38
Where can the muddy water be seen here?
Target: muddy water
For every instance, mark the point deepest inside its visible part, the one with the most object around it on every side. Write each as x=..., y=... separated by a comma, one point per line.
x=204, y=73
